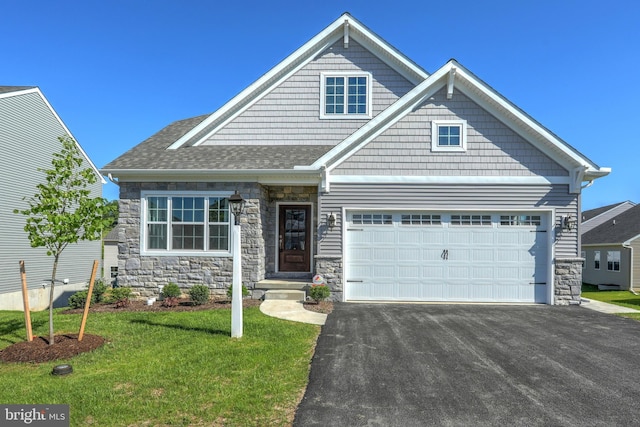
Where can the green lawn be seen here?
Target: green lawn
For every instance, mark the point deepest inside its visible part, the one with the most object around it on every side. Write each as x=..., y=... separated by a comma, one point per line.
x=623, y=298
x=169, y=368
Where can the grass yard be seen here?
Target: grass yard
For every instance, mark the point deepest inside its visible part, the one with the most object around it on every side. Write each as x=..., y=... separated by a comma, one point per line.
x=622, y=298
x=170, y=368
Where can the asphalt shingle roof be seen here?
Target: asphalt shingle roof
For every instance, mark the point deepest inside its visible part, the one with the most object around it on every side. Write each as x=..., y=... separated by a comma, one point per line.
x=7, y=89
x=627, y=226
x=592, y=213
x=152, y=154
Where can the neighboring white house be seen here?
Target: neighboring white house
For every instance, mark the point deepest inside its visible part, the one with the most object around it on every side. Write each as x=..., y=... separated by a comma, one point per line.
x=110, y=257
x=611, y=246
x=29, y=128
x=392, y=183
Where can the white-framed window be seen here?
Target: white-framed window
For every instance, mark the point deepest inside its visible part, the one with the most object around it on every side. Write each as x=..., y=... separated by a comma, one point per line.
x=613, y=260
x=528, y=220
x=596, y=260
x=583, y=255
x=449, y=135
x=345, y=95
x=421, y=219
x=372, y=219
x=471, y=220
x=185, y=223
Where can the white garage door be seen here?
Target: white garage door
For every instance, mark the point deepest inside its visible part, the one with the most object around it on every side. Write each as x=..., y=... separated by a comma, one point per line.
x=457, y=256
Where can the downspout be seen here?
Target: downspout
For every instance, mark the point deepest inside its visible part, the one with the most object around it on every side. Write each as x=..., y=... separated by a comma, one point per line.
x=112, y=179
x=628, y=246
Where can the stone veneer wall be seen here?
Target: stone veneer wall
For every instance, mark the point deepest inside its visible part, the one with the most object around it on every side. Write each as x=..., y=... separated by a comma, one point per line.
x=145, y=273
x=568, y=281
x=330, y=268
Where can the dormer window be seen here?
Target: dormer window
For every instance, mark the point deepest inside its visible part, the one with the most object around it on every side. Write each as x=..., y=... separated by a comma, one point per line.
x=345, y=95
x=449, y=135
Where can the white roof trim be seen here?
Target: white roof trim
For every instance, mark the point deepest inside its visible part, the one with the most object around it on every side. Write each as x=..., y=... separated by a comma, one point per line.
x=57, y=117
x=520, y=122
x=474, y=179
x=297, y=60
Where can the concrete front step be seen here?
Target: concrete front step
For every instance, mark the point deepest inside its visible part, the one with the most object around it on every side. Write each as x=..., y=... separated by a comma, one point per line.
x=285, y=284
x=285, y=294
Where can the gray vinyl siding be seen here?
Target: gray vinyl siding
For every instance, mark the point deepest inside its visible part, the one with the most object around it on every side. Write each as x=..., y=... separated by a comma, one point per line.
x=603, y=276
x=635, y=263
x=290, y=114
x=493, y=149
x=449, y=197
x=28, y=136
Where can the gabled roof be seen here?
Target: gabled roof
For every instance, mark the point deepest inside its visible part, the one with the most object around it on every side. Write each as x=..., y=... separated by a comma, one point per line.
x=10, y=91
x=618, y=230
x=345, y=27
x=179, y=148
x=593, y=213
x=455, y=77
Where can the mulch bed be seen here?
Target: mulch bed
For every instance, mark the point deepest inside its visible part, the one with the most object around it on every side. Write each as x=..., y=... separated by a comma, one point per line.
x=67, y=345
x=39, y=350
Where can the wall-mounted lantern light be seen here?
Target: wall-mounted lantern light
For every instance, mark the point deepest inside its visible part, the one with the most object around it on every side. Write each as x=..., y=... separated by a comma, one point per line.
x=569, y=222
x=331, y=220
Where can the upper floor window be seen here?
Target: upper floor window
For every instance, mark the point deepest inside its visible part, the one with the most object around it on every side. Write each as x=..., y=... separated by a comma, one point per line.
x=345, y=95
x=185, y=223
x=449, y=135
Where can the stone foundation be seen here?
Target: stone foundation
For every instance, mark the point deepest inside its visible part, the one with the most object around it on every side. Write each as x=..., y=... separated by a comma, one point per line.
x=330, y=267
x=568, y=281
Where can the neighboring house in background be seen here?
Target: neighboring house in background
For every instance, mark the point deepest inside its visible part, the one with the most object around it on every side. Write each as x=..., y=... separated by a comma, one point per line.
x=611, y=248
x=110, y=256
x=594, y=217
x=29, y=131
x=392, y=183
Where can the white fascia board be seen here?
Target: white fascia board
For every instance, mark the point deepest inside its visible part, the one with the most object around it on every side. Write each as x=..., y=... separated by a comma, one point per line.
x=628, y=241
x=459, y=180
x=515, y=119
x=293, y=63
x=66, y=129
x=267, y=176
x=383, y=121
x=19, y=92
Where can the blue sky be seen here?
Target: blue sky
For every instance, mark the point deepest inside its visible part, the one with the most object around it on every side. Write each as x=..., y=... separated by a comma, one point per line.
x=118, y=71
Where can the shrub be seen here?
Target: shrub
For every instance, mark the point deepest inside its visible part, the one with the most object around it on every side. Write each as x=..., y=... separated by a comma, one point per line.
x=319, y=292
x=245, y=291
x=199, y=294
x=171, y=291
x=119, y=296
x=79, y=299
x=100, y=287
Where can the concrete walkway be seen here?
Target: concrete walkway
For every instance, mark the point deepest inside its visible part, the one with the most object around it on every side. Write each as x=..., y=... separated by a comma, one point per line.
x=291, y=310
x=604, y=307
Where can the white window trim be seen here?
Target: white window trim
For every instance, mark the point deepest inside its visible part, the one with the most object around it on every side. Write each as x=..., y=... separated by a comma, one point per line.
x=160, y=252
x=448, y=148
x=613, y=260
x=345, y=115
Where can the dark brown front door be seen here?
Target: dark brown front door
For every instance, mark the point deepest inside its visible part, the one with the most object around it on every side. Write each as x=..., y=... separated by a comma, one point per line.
x=294, y=229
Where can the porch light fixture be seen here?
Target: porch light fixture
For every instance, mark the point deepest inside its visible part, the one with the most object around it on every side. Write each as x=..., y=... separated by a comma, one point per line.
x=236, y=203
x=331, y=220
x=569, y=222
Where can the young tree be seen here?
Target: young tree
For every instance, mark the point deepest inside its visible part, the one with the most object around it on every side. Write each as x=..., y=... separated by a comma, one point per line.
x=62, y=211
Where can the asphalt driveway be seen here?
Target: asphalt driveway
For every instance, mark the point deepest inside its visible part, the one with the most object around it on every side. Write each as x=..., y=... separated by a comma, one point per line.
x=473, y=365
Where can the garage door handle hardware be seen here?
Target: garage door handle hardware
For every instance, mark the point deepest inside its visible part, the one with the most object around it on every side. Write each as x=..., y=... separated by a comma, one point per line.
x=355, y=229
x=445, y=254
x=537, y=283
x=355, y=281
x=538, y=231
